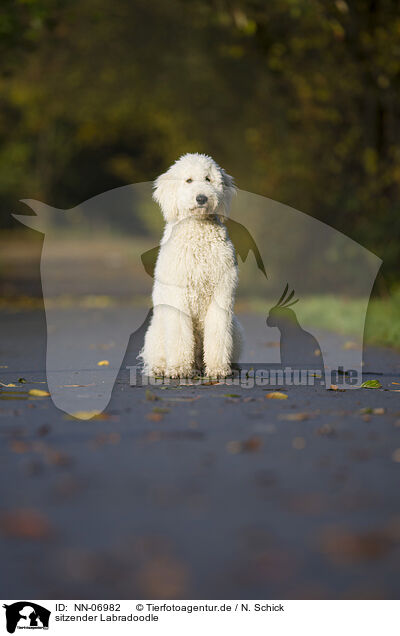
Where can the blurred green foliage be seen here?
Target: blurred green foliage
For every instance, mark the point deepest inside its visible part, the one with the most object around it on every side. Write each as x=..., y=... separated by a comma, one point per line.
x=299, y=99
x=342, y=315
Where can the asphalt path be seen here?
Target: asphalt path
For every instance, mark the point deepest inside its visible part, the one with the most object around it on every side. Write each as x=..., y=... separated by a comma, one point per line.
x=209, y=491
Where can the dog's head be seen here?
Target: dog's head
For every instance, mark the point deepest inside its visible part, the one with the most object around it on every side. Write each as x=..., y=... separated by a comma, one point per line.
x=194, y=185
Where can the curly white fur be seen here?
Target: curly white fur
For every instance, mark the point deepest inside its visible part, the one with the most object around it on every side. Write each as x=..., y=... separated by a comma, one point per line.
x=193, y=325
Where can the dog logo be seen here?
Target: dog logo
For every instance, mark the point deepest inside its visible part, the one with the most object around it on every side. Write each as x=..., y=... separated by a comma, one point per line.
x=26, y=615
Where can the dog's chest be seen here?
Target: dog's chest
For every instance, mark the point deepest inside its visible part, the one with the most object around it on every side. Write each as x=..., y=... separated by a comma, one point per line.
x=198, y=254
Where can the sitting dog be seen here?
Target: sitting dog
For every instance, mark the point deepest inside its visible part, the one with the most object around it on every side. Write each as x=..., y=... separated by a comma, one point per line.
x=193, y=326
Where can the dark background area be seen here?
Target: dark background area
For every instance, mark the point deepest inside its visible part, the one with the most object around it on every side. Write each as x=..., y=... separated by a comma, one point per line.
x=298, y=99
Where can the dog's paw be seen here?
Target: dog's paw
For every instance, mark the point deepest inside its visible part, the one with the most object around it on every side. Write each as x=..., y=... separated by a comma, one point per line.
x=158, y=370
x=179, y=371
x=221, y=371
x=154, y=370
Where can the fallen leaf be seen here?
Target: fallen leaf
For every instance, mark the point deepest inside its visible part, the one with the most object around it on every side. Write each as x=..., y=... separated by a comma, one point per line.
x=150, y=396
x=19, y=446
x=298, y=443
x=294, y=417
x=103, y=363
x=154, y=417
x=231, y=395
x=334, y=387
x=184, y=399
x=25, y=524
x=43, y=430
x=346, y=547
x=326, y=430
x=252, y=444
x=57, y=458
x=233, y=447
x=211, y=383
x=38, y=393
x=371, y=384
x=84, y=415
x=106, y=438
x=74, y=386
x=2, y=384
x=157, y=436
x=276, y=395
x=396, y=456
x=163, y=576
x=350, y=345
x=105, y=346
x=22, y=380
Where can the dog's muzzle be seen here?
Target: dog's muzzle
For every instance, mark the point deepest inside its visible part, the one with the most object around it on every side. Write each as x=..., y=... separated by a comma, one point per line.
x=201, y=199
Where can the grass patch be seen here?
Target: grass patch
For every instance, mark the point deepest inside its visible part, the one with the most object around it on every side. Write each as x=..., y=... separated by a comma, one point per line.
x=345, y=316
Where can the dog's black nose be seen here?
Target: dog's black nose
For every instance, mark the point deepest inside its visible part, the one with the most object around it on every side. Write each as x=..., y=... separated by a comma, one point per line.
x=201, y=199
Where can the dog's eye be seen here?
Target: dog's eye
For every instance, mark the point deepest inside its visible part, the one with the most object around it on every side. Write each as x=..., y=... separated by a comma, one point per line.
x=189, y=180
x=208, y=179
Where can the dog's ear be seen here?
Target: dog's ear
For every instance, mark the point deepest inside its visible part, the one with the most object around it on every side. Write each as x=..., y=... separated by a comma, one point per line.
x=165, y=187
x=229, y=191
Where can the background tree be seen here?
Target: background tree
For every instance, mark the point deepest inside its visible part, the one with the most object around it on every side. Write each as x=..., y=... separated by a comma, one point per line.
x=299, y=99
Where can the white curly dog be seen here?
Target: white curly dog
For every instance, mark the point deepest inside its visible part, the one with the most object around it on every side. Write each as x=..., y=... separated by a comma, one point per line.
x=193, y=325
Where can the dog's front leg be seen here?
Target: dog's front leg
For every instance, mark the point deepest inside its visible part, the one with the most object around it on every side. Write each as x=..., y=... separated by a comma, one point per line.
x=179, y=341
x=218, y=330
